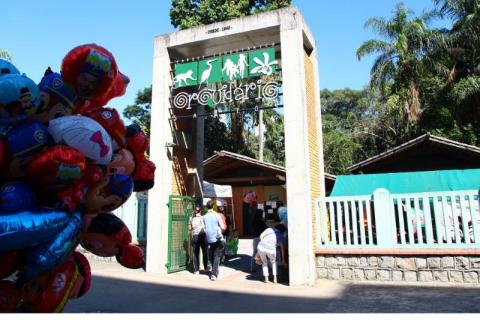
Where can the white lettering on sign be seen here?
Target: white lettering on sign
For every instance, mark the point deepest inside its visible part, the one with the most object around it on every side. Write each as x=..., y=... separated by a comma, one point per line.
x=227, y=93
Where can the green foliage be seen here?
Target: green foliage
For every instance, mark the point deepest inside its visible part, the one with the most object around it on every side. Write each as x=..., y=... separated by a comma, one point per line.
x=274, y=145
x=139, y=112
x=186, y=14
x=401, y=57
x=422, y=80
x=216, y=137
x=5, y=55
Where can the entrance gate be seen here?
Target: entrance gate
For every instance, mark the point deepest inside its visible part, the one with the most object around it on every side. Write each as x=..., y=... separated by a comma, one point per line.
x=201, y=70
x=180, y=209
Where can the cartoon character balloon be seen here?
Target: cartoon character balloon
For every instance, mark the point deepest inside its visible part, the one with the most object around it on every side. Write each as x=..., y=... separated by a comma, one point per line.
x=19, y=98
x=84, y=134
x=91, y=70
x=57, y=99
x=6, y=67
x=66, y=161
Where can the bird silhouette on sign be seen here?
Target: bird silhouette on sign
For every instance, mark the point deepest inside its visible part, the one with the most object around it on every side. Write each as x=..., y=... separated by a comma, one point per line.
x=206, y=73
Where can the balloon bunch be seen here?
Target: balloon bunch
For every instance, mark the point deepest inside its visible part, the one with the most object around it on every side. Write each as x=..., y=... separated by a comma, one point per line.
x=66, y=162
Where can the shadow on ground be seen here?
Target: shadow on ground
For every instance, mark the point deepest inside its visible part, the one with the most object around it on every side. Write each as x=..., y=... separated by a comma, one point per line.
x=118, y=296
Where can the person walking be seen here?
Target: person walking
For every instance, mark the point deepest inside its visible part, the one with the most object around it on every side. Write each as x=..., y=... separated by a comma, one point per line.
x=196, y=225
x=213, y=231
x=258, y=226
x=270, y=239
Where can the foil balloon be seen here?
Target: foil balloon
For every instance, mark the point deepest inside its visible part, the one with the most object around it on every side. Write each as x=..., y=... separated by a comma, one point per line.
x=57, y=99
x=109, y=194
x=21, y=143
x=55, y=168
x=84, y=279
x=24, y=229
x=144, y=175
x=90, y=69
x=50, y=292
x=10, y=296
x=47, y=256
x=19, y=98
x=118, y=89
x=112, y=123
x=84, y=134
x=6, y=67
x=104, y=234
x=138, y=143
x=131, y=256
x=123, y=162
x=8, y=263
x=16, y=196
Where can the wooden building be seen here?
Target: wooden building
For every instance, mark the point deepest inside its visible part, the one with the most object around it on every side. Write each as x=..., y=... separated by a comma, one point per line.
x=247, y=174
x=424, y=153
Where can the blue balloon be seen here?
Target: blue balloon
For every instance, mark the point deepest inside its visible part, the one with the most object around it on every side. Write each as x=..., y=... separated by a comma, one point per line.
x=16, y=196
x=54, y=85
x=19, y=98
x=23, y=141
x=6, y=67
x=29, y=228
x=121, y=185
x=49, y=255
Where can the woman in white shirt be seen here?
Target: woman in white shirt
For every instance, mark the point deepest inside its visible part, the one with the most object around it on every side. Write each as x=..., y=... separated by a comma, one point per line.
x=196, y=226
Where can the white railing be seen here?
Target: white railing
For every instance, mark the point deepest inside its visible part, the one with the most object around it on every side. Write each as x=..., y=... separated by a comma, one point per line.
x=436, y=220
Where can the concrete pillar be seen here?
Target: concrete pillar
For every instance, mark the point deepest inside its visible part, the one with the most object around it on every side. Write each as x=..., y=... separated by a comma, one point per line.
x=301, y=254
x=386, y=235
x=161, y=133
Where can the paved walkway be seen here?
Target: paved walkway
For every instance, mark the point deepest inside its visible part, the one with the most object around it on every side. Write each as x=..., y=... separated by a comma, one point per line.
x=117, y=289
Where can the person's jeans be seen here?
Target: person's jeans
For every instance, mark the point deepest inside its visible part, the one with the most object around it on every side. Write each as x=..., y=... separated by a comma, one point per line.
x=215, y=252
x=197, y=243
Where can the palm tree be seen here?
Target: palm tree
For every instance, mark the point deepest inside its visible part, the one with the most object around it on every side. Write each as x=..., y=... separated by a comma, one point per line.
x=401, y=57
x=5, y=55
x=463, y=41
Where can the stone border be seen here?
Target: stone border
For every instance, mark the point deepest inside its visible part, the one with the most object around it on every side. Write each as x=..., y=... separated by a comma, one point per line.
x=456, y=269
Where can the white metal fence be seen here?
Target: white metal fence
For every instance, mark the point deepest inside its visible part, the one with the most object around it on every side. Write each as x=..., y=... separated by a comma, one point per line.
x=436, y=220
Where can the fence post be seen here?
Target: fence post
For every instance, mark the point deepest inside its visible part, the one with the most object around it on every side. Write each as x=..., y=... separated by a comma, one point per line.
x=384, y=222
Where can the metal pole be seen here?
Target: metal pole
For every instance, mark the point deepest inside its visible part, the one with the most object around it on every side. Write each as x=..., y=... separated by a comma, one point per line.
x=260, y=135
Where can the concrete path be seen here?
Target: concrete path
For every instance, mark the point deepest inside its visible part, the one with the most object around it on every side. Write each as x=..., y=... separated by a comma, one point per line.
x=116, y=289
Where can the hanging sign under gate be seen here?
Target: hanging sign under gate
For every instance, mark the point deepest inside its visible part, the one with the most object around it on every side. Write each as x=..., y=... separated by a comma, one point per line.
x=239, y=74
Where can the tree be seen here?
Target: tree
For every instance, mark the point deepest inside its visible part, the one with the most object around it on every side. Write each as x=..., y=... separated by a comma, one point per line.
x=139, y=112
x=5, y=55
x=274, y=146
x=402, y=57
x=216, y=136
x=186, y=14
x=348, y=122
x=191, y=13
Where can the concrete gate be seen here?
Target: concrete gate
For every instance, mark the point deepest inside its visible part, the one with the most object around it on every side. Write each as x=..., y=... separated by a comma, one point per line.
x=184, y=62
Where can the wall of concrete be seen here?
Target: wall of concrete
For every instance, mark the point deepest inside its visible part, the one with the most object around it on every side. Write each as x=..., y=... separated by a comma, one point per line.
x=458, y=269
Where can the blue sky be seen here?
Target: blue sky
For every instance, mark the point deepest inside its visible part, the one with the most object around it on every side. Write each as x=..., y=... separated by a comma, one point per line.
x=38, y=34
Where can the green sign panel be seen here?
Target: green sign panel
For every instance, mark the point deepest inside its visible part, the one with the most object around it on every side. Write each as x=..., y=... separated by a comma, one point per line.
x=227, y=68
x=186, y=74
x=210, y=70
x=235, y=67
x=262, y=62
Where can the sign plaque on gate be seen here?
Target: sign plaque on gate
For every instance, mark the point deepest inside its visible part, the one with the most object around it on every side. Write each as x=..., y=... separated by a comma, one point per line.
x=236, y=77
